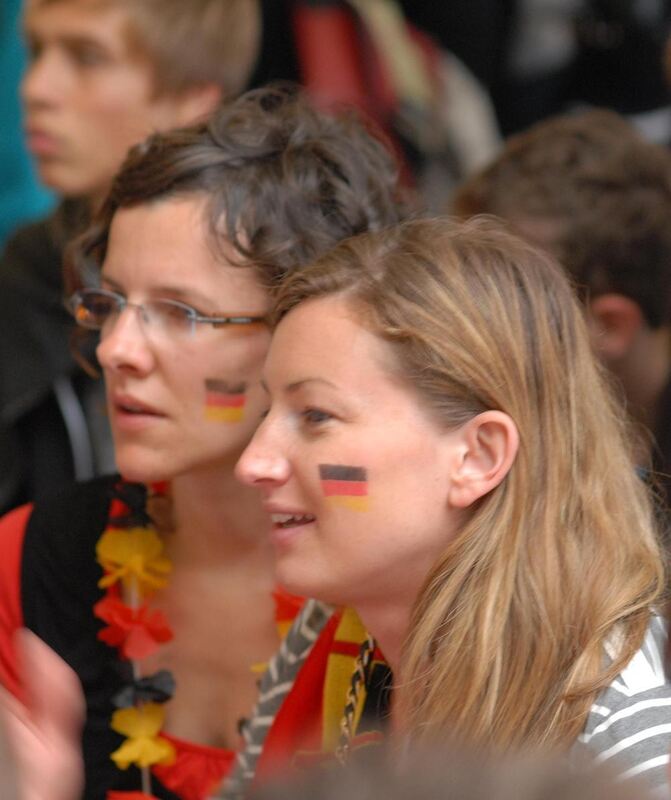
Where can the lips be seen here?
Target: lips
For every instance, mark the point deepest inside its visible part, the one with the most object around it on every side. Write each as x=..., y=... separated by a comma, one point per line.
x=126, y=404
x=287, y=524
x=42, y=143
x=291, y=520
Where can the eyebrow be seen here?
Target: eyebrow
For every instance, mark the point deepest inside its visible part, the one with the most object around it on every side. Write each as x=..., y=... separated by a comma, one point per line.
x=68, y=40
x=186, y=295
x=294, y=387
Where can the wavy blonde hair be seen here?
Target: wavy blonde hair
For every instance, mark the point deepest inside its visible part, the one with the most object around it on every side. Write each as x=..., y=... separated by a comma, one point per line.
x=506, y=645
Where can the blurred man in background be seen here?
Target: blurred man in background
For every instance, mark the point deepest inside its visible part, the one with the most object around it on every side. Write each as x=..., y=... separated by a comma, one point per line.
x=103, y=74
x=590, y=189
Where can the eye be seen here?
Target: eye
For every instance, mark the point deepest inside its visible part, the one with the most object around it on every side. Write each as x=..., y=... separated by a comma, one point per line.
x=171, y=314
x=92, y=308
x=315, y=416
x=88, y=55
x=33, y=48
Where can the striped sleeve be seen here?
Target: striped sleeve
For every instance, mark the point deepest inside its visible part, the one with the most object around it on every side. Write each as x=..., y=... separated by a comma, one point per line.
x=629, y=726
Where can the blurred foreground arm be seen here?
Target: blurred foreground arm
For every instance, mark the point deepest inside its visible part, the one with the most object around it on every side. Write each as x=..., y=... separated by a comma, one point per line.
x=40, y=751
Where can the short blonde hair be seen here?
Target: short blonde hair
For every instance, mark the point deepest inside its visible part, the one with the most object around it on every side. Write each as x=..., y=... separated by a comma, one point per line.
x=191, y=42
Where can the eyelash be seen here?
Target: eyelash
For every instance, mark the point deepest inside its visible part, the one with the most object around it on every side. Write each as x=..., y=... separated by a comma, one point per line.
x=315, y=416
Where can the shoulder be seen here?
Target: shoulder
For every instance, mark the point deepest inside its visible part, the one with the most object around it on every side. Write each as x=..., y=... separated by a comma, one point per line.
x=629, y=725
x=70, y=516
x=59, y=567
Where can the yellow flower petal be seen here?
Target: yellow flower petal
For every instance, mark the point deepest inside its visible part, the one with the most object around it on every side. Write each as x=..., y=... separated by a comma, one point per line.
x=134, y=556
x=143, y=721
x=144, y=752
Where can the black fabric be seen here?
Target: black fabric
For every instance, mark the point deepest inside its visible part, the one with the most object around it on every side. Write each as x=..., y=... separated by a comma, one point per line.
x=277, y=54
x=661, y=462
x=59, y=577
x=35, y=331
x=621, y=54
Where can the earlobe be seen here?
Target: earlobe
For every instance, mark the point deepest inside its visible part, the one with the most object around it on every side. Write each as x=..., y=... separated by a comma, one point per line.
x=489, y=444
x=614, y=321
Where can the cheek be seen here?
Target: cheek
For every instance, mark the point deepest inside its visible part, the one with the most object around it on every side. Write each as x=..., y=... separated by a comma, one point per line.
x=344, y=486
x=231, y=396
x=224, y=401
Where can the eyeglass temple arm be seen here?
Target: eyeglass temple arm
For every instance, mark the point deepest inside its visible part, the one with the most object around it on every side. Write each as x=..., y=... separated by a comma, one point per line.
x=220, y=322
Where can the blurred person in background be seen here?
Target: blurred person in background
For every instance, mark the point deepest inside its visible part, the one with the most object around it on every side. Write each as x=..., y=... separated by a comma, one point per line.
x=434, y=112
x=101, y=77
x=591, y=190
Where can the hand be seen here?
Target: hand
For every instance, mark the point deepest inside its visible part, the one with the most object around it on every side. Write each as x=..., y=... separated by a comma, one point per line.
x=44, y=736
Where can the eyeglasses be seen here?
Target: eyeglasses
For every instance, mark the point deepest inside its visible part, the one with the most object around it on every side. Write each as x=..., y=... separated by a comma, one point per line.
x=98, y=310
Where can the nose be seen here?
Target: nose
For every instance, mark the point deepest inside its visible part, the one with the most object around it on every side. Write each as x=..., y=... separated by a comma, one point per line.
x=124, y=345
x=43, y=82
x=263, y=463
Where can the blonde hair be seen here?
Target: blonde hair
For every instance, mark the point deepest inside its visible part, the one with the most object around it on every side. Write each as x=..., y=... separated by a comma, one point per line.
x=190, y=42
x=506, y=645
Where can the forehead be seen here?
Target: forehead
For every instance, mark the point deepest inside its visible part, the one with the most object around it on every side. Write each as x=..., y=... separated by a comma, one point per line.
x=104, y=21
x=168, y=243
x=333, y=327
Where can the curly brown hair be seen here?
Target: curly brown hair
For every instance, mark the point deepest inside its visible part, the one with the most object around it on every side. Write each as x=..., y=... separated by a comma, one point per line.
x=284, y=182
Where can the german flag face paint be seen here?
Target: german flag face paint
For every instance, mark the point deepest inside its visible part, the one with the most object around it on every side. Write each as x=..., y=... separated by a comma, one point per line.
x=345, y=486
x=224, y=402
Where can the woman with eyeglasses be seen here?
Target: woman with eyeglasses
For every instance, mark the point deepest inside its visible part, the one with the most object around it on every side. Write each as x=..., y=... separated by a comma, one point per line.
x=157, y=587
x=445, y=461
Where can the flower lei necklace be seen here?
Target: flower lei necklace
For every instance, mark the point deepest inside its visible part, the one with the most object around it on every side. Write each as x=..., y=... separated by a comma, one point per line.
x=130, y=552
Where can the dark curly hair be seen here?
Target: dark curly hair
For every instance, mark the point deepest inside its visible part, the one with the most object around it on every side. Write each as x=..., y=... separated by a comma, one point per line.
x=284, y=181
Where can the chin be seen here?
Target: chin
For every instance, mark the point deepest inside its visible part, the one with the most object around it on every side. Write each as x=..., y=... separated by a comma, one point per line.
x=142, y=470
x=64, y=184
x=305, y=586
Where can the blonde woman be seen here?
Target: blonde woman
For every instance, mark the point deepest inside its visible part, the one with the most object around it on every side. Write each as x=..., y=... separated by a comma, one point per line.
x=443, y=455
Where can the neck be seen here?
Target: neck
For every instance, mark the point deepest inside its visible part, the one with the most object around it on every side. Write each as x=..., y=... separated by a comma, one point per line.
x=217, y=520
x=388, y=624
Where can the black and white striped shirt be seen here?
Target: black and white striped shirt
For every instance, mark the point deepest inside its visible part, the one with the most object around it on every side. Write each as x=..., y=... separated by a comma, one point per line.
x=629, y=725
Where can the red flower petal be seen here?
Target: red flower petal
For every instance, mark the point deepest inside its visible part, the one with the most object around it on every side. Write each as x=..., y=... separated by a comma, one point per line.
x=137, y=632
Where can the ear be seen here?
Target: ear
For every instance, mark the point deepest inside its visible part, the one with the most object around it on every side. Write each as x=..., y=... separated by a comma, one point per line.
x=614, y=321
x=196, y=103
x=488, y=446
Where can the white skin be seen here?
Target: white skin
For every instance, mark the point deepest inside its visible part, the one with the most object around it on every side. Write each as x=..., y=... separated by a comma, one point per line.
x=88, y=97
x=352, y=409
x=218, y=600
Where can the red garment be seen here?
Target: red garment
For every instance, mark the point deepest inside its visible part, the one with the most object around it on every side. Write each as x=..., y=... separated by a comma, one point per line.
x=298, y=725
x=306, y=728
x=12, y=530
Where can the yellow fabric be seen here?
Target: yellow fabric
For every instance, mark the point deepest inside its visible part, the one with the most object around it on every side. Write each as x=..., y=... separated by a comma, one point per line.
x=339, y=671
